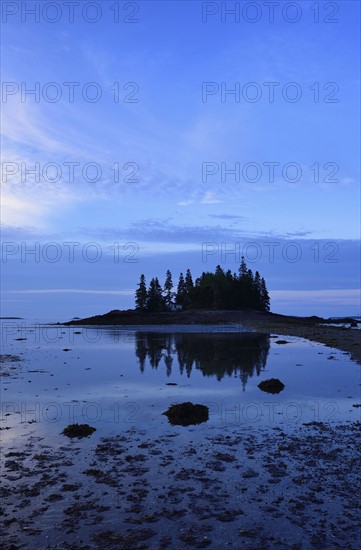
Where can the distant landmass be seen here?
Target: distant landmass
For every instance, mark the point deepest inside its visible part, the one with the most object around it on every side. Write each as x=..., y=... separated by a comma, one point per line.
x=11, y=317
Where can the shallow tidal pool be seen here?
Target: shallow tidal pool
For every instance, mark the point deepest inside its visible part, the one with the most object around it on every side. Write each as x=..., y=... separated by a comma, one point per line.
x=113, y=377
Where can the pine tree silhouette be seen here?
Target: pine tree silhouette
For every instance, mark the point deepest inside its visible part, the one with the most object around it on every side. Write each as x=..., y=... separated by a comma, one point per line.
x=218, y=290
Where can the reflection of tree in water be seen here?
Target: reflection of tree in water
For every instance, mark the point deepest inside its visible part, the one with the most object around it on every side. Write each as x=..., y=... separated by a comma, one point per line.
x=214, y=354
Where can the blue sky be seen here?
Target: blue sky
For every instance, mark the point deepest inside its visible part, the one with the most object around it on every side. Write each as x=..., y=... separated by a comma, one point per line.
x=170, y=136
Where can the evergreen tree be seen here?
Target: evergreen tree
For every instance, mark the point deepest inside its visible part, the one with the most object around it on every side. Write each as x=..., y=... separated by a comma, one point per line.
x=155, y=300
x=230, y=295
x=241, y=292
x=207, y=291
x=257, y=291
x=189, y=282
x=242, y=269
x=181, y=292
x=265, y=299
x=189, y=288
x=219, y=288
x=168, y=285
x=141, y=295
x=248, y=289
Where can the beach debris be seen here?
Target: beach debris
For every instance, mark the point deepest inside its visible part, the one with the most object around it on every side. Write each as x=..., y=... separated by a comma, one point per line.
x=78, y=430
x=5, y=368
x=93, y=472
x=6, y=358
x=185, y=414
x=272, y=385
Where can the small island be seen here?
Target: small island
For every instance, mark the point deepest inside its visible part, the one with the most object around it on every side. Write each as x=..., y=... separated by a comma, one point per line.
x=223, y=298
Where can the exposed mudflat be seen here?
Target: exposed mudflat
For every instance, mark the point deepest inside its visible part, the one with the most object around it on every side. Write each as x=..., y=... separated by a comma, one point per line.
x=8, y=365
x=260, y=489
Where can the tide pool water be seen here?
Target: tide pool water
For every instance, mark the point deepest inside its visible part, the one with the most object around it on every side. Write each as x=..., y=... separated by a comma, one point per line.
x=117, y=378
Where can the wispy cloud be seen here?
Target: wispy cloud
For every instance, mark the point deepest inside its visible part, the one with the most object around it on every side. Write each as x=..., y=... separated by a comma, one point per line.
x=186, y=203
x=23, y=124
x=210, y=198
x=163, y=231
x=230, y=217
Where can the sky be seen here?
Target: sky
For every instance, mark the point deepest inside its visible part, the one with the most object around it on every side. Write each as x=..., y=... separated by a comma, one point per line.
x=144, y=136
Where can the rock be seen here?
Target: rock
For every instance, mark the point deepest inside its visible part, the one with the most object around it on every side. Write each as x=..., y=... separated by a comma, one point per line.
x=78, y=430
x=272, y=385
x=185, y=414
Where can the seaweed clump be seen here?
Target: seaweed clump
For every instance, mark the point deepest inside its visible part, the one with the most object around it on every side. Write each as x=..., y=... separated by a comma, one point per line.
x=78, y=430
x=185, y=414
x=272, y=385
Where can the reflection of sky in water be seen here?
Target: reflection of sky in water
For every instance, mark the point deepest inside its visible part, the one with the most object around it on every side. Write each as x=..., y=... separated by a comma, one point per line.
x=119, y=378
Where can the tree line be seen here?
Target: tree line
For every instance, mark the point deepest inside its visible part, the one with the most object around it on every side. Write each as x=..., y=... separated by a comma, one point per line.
x=218, y=290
